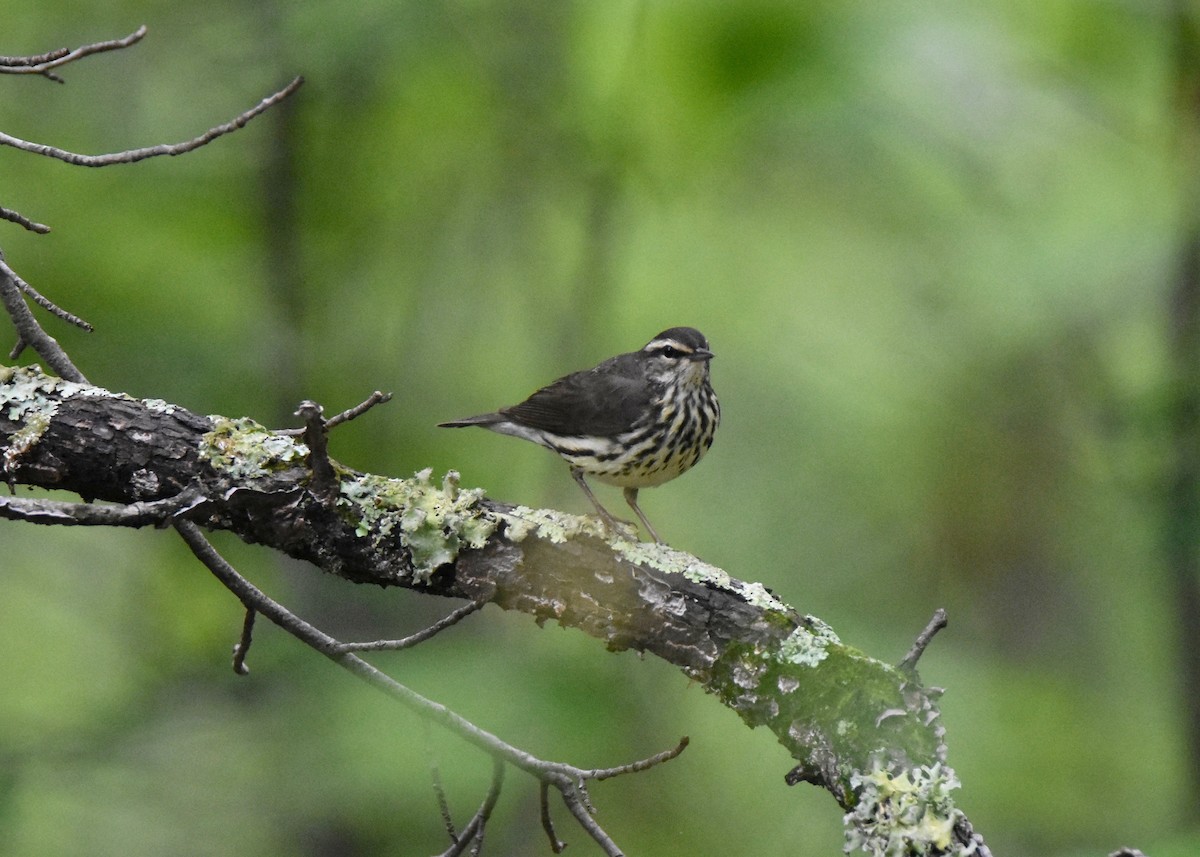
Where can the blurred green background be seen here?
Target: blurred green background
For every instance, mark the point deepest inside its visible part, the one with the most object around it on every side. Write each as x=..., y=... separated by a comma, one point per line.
x=934, y=246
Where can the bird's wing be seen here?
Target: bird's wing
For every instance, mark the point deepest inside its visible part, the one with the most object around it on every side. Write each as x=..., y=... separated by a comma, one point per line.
x=604, y=401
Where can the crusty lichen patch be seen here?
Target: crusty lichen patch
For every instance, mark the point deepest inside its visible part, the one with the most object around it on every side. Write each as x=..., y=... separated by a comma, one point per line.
x=809, y=644
x=674, y=561
x=435, y=522
x=906, y=814
x=521, y=521
x=32, y=398
x=245, y=449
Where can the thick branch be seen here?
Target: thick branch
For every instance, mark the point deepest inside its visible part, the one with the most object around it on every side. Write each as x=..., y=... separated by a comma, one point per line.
x=845, y=718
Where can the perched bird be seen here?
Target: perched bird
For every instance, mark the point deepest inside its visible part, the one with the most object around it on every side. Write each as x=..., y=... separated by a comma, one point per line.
x=636, y=420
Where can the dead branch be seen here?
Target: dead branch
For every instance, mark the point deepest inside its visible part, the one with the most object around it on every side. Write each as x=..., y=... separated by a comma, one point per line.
x=43, y=63
x=130, y=156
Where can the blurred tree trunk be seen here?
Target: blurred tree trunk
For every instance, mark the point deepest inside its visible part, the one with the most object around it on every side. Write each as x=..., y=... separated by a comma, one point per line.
x=1183, y=483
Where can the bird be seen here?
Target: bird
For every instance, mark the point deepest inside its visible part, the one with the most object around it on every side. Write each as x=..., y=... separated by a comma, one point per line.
x=635, y=421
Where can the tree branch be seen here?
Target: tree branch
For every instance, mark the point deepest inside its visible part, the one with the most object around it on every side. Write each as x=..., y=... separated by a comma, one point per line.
x=847, y=719
x=130, y=156
x=43, y=63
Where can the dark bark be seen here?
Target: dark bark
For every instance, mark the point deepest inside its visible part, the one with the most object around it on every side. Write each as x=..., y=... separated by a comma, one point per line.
x=846, y=719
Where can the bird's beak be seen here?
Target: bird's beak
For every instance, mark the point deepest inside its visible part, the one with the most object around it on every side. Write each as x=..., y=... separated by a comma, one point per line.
x=701, y=354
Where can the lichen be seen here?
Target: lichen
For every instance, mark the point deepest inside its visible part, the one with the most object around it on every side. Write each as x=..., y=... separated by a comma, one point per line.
x=24, y=391
x=808, y=644
x=32, y=398
x=435, y=522
x=245, y=449
x=549, y=524
x=160, y=406
x=905, y=814
x=668, y=559
x=25, y=439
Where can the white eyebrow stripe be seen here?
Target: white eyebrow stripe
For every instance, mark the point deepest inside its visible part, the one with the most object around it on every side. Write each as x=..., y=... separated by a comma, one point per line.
x=657, y=344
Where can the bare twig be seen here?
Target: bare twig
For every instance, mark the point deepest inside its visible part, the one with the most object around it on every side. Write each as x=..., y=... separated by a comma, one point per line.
x=242, y=647
x=130, y=156
x=419, y=637
x=49, y=305
x=644, y=764
x=376, y=398
x=568, y=779
x=57, y=512
x=556, y=844
x=29, y=331
x=473, y=832
x=937, y=623
x=439, y=791
x=43, y=63
x=21, y=220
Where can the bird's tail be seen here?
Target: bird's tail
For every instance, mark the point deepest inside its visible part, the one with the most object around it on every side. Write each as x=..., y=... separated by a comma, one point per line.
x=478, y=420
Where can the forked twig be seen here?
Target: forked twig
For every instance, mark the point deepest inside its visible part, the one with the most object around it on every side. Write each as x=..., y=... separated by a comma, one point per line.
x=473, y=832
x=567, y=779
x=42, y=63
x=376, y=398
x=29, y=332
x=130, y=156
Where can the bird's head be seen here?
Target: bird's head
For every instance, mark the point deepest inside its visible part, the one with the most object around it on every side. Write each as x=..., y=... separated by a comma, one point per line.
x=680, y=354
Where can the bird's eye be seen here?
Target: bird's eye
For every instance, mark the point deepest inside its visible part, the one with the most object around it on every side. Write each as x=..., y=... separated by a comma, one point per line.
x=671, y=351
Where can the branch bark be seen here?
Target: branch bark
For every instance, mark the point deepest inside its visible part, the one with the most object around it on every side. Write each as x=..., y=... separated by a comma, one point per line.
x=852, y=724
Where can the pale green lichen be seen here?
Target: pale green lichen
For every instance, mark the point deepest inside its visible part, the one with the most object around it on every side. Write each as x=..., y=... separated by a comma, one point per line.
x=435, y=522
x=905, y=814
x=32, y=398
x=25, y=439
x=23, y=390
x=245, y=449
x=554, y=526
x=160, y=406
x=808, y=644
x=674, y=561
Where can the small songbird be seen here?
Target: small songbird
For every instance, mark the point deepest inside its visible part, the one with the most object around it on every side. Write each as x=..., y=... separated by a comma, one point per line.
x=636, y=420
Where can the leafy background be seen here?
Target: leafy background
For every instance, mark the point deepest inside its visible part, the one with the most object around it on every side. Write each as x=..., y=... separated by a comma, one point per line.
x=933, y=245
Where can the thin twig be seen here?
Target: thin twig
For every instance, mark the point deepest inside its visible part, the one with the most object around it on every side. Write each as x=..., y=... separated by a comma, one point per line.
x=419, y=637
x=49, y=305
x=130, y=156
x=43, y=63
x=579, y=809
x=642, y=765
x=376, y=398
x=439, y=790
x=556, y=844
x=63, y=514
x=28, y=329
x=21, y=220
x=242, y=647
x=937, y=623
x=561, y=776
x=473, y=832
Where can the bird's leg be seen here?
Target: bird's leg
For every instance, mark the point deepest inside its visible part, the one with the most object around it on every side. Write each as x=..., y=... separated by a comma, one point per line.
x=613, y=523
x=631, y=499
